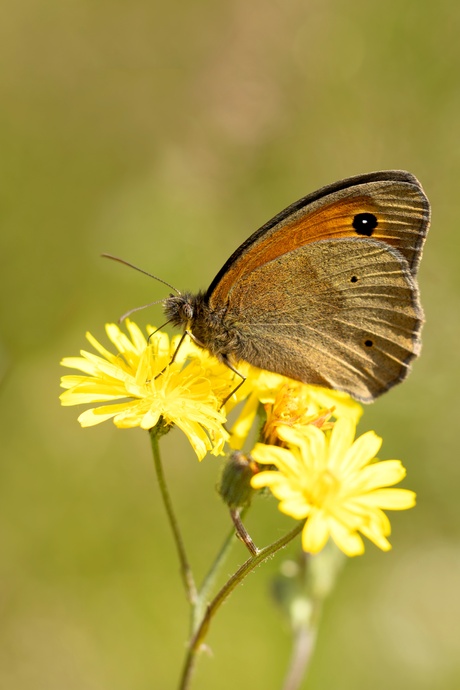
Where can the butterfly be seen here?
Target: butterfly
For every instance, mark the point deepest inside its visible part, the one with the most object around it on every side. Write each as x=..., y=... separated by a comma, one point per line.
x=326, y=292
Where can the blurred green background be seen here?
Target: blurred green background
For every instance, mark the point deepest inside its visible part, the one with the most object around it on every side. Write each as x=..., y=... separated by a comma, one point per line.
x=166, y=133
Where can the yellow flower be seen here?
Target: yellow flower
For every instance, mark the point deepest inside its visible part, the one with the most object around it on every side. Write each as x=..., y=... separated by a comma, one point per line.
x=147, y=387
x=330, y=480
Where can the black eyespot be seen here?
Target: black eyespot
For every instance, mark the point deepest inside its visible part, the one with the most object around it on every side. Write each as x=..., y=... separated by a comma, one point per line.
x=354, y=279
x=368, y=343
x=365, y=223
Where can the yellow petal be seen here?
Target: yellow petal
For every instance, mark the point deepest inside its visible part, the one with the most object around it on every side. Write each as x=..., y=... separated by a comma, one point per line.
x=348, y=541
x=315, y=533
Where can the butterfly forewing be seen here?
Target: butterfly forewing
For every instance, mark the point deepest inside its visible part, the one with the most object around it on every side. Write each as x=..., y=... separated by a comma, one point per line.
x=388, y=206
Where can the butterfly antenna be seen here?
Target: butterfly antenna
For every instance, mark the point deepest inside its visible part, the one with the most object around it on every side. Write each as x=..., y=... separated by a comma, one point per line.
x=136, y=268
x=144, y=306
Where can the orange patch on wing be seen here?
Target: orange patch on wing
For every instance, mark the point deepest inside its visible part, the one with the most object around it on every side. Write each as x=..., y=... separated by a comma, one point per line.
x=328, y=222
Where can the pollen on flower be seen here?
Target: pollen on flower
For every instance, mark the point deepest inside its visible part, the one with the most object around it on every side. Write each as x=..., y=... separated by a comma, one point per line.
x=292, y=407
x=334, y=483
x=287, y=403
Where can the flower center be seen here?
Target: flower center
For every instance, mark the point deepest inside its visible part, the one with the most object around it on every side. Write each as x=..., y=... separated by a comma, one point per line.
x=322, y=488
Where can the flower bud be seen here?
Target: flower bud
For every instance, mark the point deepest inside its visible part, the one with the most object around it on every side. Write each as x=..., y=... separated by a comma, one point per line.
x=235, y=487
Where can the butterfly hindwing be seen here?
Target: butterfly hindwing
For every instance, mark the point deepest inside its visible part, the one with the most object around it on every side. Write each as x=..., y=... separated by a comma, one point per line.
x=341, y=313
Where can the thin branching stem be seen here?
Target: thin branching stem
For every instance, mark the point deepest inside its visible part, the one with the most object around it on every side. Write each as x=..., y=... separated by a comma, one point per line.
x=210, y=579
x=226, y=590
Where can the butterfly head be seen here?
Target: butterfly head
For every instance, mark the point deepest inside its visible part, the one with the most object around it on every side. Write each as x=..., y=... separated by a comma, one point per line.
x=181, y=309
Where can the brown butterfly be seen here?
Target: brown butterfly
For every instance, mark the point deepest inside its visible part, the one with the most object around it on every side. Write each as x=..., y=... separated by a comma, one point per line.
x=326, y=291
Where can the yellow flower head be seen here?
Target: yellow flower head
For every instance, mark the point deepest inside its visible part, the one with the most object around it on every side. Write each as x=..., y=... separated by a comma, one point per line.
x=330, y=480
x=287, y=402
x=292, y=407
x=147, y=387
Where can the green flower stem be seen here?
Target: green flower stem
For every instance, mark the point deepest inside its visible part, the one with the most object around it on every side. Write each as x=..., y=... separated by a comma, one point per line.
x=203, y=596
x=186, y=571
x=222, y=595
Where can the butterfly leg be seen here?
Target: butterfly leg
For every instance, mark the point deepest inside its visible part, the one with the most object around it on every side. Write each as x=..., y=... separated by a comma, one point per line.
x=227, y=362
x=175, y=351
x=178, y=346
x=224, y=359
